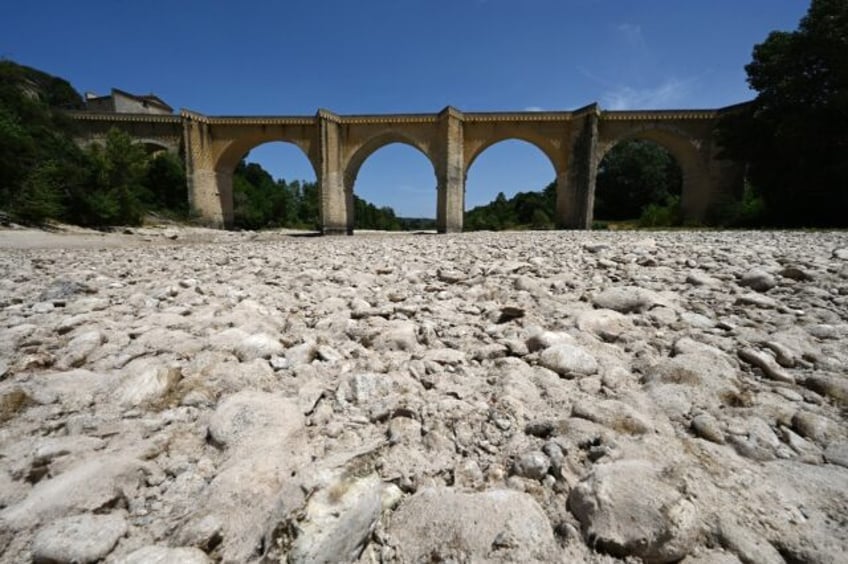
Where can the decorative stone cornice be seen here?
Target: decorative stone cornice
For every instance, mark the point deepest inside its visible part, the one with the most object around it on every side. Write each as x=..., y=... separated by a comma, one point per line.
x=260, y=120
x=402, y=119
x=115, y=117
x=451, y=112
x=190, y=115
x=593, y=108
x=658, y=115
x=384, y=119
x=328, y=115
x=518, y=116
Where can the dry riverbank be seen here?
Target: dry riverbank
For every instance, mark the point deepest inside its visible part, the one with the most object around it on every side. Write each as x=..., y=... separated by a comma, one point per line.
x=188, y=394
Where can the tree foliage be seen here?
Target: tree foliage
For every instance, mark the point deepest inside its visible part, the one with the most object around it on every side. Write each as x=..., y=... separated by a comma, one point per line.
x=632, y=176
x=525, y=210
x=45, y=175
x=259, y=201
x=794, y=135
x=35, y=150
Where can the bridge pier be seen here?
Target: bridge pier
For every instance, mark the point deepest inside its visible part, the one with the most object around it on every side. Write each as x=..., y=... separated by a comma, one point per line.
x=210, y=195
x=576, y=184
x=450, y=202
x=210, y=191
x=336, y=198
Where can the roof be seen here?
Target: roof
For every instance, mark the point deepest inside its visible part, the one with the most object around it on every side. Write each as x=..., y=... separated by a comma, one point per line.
x=143, y=98
x=149, y=98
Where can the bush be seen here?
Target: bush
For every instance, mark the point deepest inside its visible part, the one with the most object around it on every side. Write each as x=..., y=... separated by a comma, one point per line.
x=666, y=215
x=40, y=196
x=747, y=211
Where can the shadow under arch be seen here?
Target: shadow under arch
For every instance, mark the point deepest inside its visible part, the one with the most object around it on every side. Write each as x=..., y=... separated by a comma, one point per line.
x=354, y=164
x=685, y=149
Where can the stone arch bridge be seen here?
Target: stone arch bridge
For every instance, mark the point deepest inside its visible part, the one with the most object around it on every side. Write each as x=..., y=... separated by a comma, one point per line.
x=338, y=145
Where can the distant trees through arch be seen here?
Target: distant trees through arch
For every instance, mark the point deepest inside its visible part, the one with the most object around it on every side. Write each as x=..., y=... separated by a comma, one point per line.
x=633, y=176
x=393, y=188
x=274, y=185
x=510, y=185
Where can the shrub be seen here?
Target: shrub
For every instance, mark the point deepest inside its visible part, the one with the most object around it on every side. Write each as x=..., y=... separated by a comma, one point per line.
x=666, y=215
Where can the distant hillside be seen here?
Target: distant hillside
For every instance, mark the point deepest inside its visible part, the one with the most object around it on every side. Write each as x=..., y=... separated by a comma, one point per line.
x=54, y=91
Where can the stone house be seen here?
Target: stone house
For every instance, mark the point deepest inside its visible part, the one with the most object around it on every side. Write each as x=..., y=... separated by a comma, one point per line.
x=120, y=102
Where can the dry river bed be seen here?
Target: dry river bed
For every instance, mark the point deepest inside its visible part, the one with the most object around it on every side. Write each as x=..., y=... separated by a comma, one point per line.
x=187, y=396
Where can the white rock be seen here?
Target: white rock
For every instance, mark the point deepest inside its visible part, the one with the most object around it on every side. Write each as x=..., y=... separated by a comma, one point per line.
x=304, y=353
x=152, y=554
x=494, y=525
x=606, y=323
x=626, y=299
x=445, y=356
x=840, y=253
x=259, y=345
x=539, y=339
x=80, y=538
x=757, y=300
x=148, y=386
x=79, y=348
x=625, y=509
x=758, y=280
x=533, y=465
x=707, y=427
x=568, y=361
x=397, y=336
x=338, y=520
x=265, y=440
x=87, y=486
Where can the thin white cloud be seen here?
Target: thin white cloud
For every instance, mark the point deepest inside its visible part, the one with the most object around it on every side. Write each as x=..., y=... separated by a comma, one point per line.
x=669, y=93
x=534, y=109
x=632, y=33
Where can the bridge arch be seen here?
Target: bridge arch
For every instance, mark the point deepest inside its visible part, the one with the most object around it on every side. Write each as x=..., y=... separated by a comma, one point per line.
x=373, y=144
x=686, y=149
x=154, y=146
x=475, y=149
x=360, y=153
x=235, y=150
x=507, y=167
x=213, y=158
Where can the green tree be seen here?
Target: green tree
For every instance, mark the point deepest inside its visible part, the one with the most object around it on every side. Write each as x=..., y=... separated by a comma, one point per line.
x=525, y=210
x=794, y=135
x=633, y=175
x=259, y=201
x=165, y=183
x=35, y=148
x=116, y=188
x=40, y=195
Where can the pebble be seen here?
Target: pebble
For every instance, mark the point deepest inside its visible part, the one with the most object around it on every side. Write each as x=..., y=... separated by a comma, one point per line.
x=758, y=280
x=533, y=465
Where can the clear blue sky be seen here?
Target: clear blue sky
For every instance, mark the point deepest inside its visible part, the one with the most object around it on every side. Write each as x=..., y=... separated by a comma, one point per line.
x=377, y=56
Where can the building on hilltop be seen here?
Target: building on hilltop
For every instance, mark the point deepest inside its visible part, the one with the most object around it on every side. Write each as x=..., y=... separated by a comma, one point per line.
x=120, y=102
